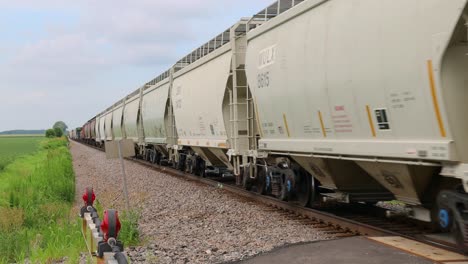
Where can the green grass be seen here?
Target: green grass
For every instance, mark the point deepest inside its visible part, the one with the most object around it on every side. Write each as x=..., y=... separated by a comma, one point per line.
x=36, y=194
x=12, y=147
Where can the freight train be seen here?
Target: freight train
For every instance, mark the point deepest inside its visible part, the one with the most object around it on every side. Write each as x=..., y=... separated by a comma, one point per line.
x=345, y=100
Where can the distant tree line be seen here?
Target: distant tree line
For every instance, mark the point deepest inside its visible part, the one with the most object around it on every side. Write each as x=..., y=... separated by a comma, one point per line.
x=58, y=130
x=23, y=132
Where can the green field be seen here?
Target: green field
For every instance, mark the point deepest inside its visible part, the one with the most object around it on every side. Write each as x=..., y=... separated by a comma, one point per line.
x=12, y=147
x=36, y=194
x=37, y=191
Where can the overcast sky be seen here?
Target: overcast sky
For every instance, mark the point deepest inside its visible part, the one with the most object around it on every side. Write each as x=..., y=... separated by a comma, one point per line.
x=68, y=60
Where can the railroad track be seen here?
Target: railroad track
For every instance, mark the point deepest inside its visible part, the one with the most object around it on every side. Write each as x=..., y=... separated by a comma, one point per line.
x=341, y=220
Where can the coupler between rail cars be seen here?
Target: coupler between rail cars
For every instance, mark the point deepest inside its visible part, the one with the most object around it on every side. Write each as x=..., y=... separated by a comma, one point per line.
x=453, y=215
x=101, y=237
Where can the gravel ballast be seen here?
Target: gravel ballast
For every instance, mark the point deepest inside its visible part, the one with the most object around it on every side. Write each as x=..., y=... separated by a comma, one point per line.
x=183, y=221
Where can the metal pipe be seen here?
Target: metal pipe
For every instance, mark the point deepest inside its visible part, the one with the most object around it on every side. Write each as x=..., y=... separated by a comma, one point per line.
x=124, y=176
x=278, y=11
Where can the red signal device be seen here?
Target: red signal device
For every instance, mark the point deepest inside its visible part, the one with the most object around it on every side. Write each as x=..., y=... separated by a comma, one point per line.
x=89, y=197
x=110, y=225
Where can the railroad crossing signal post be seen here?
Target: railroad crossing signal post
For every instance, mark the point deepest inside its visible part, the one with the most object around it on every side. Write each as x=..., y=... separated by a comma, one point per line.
x=121, y=149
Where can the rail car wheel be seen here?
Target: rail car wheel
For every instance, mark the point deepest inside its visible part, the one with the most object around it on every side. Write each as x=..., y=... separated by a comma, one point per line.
x=287, y=186
x=261, y=182
x=304, y=187
x=181, y=163
x=246, y=181
x=452, y=205
x=156, y=157
x=148, y=155
x=460, y=227
x=189, y=165
x=200, y=167
x=458, y=231
x=203, y=169
x=159, y=158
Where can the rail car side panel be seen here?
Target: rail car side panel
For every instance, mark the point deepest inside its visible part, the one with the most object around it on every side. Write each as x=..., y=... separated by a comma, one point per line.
x=351, y=77
x=153, y=107
x=117, y=122
x=91, y=129
x=102, y=125
x=197, y=101
x=108, y=126
x=131, y=118
x=96, y=128
x=86, y=131
x=82, y=133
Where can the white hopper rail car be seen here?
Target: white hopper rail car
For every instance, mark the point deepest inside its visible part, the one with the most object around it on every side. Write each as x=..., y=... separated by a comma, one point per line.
x=348, y=100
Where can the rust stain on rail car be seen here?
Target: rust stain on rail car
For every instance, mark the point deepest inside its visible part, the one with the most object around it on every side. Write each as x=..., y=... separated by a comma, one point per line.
x=324, y=132
x=371, y=122
x=286, y=125
x=430, y=69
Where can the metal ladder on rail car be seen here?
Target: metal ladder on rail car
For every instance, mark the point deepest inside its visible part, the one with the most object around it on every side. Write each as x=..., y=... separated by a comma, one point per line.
x=140, y=127
x=242, y=128
x=172, y=134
